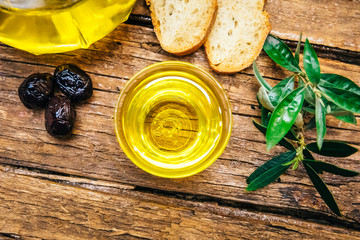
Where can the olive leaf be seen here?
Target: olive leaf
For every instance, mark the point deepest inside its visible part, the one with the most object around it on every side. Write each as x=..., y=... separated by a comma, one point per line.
x=298, y=48
x=283, y=88
x=338, y=112
x=283, y=142
x=347, y=117
x=332, y=149
x=324, y=94
x=322, y=189
x=260, y=79
x=341, y=91
x=264, y=99
x=332, y=109
x=276, y=161
x=267, y=177
x=345, y=99
x=309, y=157
x=330, y=168
x=307, y=154
x=320, y=118
x=280, y=53
x=338, y=81
x=283, y=117
x=311, y=63
x=265, y=114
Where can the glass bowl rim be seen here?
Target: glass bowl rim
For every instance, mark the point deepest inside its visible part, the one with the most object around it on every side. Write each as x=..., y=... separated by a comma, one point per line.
x=207, y=77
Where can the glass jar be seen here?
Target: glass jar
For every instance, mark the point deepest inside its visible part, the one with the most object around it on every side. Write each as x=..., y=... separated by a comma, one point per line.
x=53, y=26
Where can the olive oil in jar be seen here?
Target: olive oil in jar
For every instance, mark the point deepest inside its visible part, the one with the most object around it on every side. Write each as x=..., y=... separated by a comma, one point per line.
x=52, y=26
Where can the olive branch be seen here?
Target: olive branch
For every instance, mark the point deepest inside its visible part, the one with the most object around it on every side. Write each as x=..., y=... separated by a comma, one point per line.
x=286, y=108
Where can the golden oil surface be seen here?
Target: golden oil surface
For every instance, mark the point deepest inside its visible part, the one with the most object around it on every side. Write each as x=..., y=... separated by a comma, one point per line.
x=55, y=29
x=171, y=126
x=173, y=123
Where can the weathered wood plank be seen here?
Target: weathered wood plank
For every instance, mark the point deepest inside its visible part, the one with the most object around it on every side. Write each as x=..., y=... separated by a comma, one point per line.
x=37, y=208
x=330, y=23
x=94, y=152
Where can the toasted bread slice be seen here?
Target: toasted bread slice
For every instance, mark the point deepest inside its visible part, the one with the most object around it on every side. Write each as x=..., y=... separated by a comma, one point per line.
x=181, y=26
x=238, y=34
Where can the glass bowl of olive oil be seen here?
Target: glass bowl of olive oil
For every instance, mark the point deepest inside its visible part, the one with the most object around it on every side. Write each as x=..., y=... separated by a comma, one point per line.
x=173, y=119
x=54, y=26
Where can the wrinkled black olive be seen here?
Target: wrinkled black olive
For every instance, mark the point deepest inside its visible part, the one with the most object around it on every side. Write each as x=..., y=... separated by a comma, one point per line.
x=59, y=116
x=36, y=90
x=73, y=82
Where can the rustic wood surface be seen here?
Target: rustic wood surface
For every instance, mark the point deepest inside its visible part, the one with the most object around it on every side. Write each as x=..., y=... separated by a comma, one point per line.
x=85, y=187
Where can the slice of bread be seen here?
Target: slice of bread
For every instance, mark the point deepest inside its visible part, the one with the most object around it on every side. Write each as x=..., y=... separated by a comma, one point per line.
x=237, y=36
x=181, y=26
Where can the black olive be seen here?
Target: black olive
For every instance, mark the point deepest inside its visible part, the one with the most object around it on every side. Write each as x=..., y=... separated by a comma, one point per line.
x=36, y=90
x=73, y=82
x=59, y=116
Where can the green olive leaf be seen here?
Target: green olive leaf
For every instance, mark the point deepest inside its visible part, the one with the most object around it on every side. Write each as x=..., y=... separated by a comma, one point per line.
x=337, y=89
x=330, y=168
x=347, y=100
x=338, y=81
x=298, y=48
x=284, y=116
x=280, y=53
x=311, y=63
x=338, y=112
x=260, y=79
x=283, y=142
x=332, y=149
x=265, y=114
x=320, y=118
x=264, y=99
x=267, y=177
x=308, y=154
x=321, y=187
x=332, y=109
x=348, y=117
x=283, y=88
x=276, y=161
x=309, y=157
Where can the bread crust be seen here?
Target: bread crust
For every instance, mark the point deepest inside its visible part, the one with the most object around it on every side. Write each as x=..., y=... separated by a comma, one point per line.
x=229, y=68
x=198, y=40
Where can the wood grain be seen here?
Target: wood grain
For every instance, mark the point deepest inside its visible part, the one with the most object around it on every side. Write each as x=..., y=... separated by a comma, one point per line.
x=38, y=207
x=331, y=23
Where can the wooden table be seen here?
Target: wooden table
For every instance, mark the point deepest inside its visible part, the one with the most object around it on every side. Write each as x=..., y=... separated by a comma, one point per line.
x=86, y=188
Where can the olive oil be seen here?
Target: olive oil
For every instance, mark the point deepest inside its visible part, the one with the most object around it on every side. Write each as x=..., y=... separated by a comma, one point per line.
x=52, y=26
x=171, y=126
x=173, y=119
